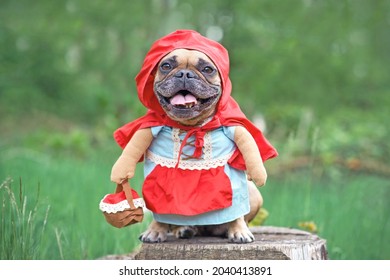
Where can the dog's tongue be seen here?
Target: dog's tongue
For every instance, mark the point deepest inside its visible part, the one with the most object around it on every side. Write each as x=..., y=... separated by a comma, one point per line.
x=180, y=99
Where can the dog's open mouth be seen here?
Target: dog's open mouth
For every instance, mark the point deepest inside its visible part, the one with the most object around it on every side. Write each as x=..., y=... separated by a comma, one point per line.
x=185, y=99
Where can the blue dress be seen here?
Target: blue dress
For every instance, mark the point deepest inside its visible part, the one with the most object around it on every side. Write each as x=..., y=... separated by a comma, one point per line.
x=176, y=166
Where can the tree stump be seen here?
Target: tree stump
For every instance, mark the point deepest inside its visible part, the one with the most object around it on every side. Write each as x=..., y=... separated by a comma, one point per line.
x=272, y=243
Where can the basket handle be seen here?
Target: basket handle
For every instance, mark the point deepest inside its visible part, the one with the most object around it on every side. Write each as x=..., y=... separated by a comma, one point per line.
x=125, y=186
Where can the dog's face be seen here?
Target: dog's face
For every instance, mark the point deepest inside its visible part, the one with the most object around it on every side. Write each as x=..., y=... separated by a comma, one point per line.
x=188, y=86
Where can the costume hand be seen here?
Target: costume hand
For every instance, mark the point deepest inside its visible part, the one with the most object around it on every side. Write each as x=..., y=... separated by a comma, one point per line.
x=246, y=144
x=258, y=175
x=122, y=169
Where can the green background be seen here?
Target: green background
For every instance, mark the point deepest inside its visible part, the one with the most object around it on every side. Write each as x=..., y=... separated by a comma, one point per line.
x=316, y=72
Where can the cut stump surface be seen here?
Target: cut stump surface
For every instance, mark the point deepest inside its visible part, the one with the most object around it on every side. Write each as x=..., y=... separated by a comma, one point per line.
x=272, y=243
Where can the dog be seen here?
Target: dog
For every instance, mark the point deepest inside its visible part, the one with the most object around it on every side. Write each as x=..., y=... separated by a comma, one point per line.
x=188, y=87
x=202, y=157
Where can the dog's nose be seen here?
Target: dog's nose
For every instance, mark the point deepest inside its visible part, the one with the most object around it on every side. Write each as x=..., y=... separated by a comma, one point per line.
x=186, y=74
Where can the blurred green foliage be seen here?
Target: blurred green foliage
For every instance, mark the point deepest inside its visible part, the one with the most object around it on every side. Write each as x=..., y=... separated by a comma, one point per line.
x=76, y=61
x=317, y=71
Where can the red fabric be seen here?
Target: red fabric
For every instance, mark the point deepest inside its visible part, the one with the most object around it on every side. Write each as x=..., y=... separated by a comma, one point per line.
x=169, y=190
x=115, y=198
x=228, y=112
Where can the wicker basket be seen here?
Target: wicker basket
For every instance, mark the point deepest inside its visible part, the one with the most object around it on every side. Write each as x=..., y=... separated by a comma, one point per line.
x=124, y=207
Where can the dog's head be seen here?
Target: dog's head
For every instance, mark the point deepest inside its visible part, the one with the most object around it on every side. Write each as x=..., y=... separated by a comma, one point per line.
x=187, y=85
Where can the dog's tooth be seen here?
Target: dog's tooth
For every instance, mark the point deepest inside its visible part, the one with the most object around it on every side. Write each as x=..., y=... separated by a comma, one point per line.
x=189, y=105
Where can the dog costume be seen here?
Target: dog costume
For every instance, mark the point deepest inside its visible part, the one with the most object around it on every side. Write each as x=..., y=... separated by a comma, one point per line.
x=194, y=175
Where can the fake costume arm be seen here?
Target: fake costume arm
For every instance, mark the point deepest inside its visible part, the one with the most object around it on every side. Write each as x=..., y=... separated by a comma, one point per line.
x=248, y=148
x=124, y=167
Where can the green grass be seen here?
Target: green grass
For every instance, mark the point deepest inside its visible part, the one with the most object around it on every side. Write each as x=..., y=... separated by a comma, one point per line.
x=22, y=226
x=76, y=229
x=351, y=210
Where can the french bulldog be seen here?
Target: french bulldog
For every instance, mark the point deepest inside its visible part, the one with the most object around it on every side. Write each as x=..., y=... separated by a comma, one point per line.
x=187, y=85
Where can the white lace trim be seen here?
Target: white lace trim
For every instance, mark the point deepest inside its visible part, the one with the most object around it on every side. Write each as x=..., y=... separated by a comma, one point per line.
x=176, y=142
x=207, y=147
x=120, y=206
x=189, y=164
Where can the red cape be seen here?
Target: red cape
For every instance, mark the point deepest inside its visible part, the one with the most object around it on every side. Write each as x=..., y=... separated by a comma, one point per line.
x=228, y=112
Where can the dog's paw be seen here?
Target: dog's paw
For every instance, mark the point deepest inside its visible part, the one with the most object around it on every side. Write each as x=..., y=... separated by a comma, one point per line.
x=151, y=236
x=241, y=237
x=239, y=232
x=156, y=233
x=185, y=232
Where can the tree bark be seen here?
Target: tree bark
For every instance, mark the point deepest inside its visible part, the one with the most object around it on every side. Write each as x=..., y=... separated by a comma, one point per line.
x=272, y=243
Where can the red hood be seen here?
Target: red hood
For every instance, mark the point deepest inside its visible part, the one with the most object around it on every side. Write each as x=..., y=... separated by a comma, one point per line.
x=228, y=112
x=181, y=39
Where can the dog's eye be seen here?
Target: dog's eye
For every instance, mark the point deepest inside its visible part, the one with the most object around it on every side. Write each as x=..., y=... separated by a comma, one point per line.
x=166, y=66
x=208, y=70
